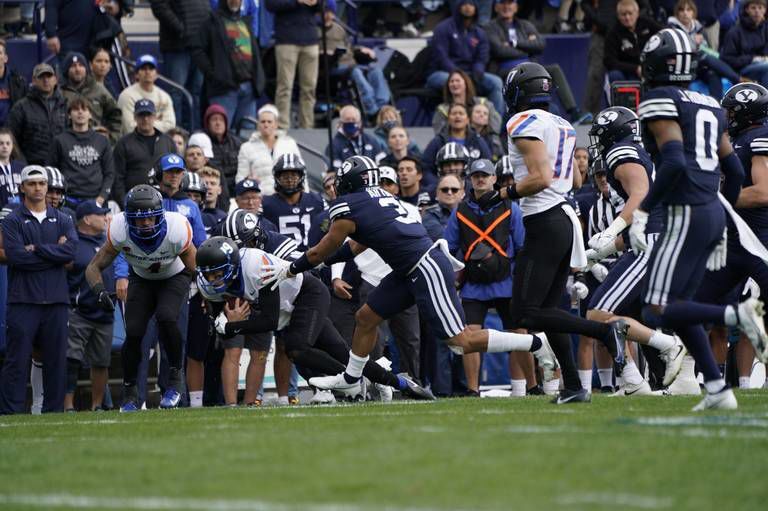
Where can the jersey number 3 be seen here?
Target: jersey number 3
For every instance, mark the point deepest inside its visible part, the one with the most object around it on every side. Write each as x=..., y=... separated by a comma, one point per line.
x=391, y=202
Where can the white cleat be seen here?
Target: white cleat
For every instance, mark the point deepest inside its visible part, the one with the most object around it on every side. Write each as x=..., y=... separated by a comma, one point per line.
x=384, y=391
x=546, y=357
x=750, y=315
x=322, y=397
x=723, y=400
x=685, y=384
x=634, y=389
x=339, y=384
x=673, y=358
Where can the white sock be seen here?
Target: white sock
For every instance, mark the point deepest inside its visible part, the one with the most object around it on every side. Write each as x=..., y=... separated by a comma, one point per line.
x=661, y=341
x=354, y=366
x=630, y=374
x=606, y=377
x=714, y=386
x=585, y=375
x=503, y=342
x=745, y=382
x=195, y=398
x=551, y=387
x=730, y=316
x=36, y=379
x=282, y=400
x=518, y=388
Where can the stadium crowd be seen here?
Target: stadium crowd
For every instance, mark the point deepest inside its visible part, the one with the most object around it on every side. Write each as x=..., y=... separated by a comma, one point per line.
x=86, y=133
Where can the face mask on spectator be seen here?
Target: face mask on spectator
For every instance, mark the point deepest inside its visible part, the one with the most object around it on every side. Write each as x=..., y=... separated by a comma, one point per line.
x=350, y=129
x=388, y=125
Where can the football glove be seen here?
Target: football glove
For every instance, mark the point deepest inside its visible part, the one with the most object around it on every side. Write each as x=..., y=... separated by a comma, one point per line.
x=719, y=255
x=637, y=231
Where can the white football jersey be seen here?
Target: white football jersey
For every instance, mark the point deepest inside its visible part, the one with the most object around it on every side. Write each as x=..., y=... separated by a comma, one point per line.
x=164, y=261
x=559, y=138
x=251, y=262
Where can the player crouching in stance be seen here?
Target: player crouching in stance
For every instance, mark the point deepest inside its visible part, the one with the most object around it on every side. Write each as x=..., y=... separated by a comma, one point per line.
x=422, y=273
x=157, y=245
x=231, y=281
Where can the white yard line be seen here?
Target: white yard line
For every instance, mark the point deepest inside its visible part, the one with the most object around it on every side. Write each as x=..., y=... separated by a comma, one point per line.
x=628, y=500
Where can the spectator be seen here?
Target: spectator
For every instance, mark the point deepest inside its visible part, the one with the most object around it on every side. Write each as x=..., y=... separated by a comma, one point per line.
x=228, y=54
x=626, y=40
x=458, y=130
x=40, y=116
x=711, y=69
x=13, y=87
x=107, y=33
x=350, y=140
x=459, y=43
x=84, y=157
x=248, y=196
x=169, y=171
x=136, y=152
x=212, y=214
x=38, y=242
x=460, y=89
x=68, y=25
x=11, y=168
x=144, y=88
x=56, y=196
x=409, y=178
x=179, y=137
x=389, y=117
x=448, y=194
x=90, y=326
x=296, y=49
x=198, y=154
x=369, y=79
x=101, y=65
x=399, y=146
x=225, y=145
x=180, y=23
x=514, y=40
x=261, y=151
x=77, y=82
x=745, y=47
x=479, y=120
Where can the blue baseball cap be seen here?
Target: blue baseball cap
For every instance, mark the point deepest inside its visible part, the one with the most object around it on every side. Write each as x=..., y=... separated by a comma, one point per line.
x=146, y=60
x=482, y=166
x=89, y=207
x=246, y=185
x=170, y=161
x=144, y=106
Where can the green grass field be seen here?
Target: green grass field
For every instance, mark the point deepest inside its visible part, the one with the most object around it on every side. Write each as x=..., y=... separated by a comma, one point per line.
x=470, y=454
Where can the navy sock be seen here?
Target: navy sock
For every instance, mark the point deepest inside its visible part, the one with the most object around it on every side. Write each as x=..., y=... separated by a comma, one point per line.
x=535, y=343
x=350, y=379
x=682, y=313
x=695, y=339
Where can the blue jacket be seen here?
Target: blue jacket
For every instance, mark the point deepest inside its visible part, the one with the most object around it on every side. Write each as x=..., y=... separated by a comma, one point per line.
x=363, y=145
x=434, y=220
x=743, y=41
x=38, y=277
x=295, y=23
x=81, y=297
x=457, y=47
x=503, y=288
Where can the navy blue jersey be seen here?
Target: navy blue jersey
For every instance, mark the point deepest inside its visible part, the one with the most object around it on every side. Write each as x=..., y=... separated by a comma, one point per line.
x=293, y=220
x=630, y=152
x=702, y=123
x=749, y=143
x=382, y=223
x=424, y=197
x=212, y=217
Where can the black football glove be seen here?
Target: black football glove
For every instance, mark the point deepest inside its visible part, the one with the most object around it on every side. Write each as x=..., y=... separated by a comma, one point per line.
x=103, y=299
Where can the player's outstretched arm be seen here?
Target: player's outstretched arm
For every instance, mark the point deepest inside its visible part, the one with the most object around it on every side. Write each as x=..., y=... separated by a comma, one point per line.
x=732, y=170
x=340, y=229
x=100, y=262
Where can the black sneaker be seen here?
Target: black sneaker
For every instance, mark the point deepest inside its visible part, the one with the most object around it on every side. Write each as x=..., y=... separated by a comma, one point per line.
x=536, y=390
x=572, y=396
x=607, y=389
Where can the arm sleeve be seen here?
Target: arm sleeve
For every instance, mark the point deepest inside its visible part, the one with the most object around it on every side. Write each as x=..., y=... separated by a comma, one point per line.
x=671, y=168
x=342, y=255
x=15, y=252
x=733, y=171
x=265, y=320
x=64, y=253
x=107, y=172
x=121, y=267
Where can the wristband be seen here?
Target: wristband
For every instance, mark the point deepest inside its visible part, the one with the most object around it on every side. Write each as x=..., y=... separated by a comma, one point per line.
x=300, y=265
x=512, y=192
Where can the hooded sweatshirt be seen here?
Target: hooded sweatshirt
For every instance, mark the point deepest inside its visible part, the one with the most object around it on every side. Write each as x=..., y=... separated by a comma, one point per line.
x=86, y=161
x=225, y=151
x=455, y=46
x=744, y=41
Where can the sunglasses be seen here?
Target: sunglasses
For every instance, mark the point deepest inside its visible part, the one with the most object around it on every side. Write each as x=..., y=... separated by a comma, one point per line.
x=451, y=190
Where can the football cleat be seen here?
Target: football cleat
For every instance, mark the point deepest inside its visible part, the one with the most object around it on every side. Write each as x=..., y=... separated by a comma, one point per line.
x=567, y=396
x=546, y=357
x=413, y=389
x=673, y=358
x=339, y=384
x=750, y=315
x=616, y=340
x=722, y=400
x=322, y=397
x=634, y=389
x=384, y=391
x=171, y=398
x=685, y=384
x=607, y=389
x=129, y=406
x=536, y=390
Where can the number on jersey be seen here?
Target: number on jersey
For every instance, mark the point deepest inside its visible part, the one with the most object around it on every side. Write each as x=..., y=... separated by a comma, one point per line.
x=393, y=202
x=296, y=226
x=706, y=140
x=565, y=149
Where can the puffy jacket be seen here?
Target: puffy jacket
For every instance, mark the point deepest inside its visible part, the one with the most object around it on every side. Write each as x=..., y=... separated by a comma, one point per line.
x=81, y=298
x=180, y=21
x=225, y=151
x=457, y=47
x=86, y=161
x=35, y=121
x=501, y=49
x=743, y=42
x=211, y=51
x=295, y=23
x=132, y=161
x=474, y=143
x=255, y=159
x=623, y=47
x=104, y=109
x=39, y=276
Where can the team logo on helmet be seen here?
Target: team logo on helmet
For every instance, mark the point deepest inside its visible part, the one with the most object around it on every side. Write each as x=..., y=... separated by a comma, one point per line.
x=746, y=96
x=250, y=221
x=653, y=43
x=345, y=167
x=607, y=118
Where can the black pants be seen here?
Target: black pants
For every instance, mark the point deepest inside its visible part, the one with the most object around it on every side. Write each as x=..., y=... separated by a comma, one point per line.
x=541, y=271
x=163, y=299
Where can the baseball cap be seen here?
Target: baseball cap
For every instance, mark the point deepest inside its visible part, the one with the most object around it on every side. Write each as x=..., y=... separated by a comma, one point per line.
x=482, y=165
x=42, y=69
x=246, y=185
x=34, y=172
x=146, y=60
x=144, y=106
x=202, y=141
x=89, y=207
x=386, y=172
